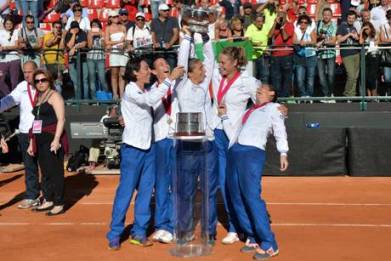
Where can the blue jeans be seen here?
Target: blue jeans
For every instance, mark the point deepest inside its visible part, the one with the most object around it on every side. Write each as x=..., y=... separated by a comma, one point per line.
x=163, y=182
x=96, y=67
x=326, y=72
x=191, y=166
x=31, y=168
x=262, y=68
x=76, y=81
x=222, y=143
x=305, y=75
x=155, y=8
x=30, y=7
x=387, y=75
x=137, y=172
x=244, y=174
x=281, y=77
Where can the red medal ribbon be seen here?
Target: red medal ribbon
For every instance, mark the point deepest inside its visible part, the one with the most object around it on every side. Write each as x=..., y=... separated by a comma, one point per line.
x=251, y=110
x=167, y=101
x=222, y=91
x=33, y=101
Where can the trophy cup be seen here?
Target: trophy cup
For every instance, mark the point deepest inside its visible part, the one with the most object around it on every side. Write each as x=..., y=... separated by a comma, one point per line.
x=197, y=18
x=190, y=187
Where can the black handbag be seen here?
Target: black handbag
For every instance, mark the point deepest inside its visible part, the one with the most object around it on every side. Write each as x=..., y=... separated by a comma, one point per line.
x=385, y=54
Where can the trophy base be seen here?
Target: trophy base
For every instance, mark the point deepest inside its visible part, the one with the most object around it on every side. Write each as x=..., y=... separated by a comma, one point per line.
x=191, y=250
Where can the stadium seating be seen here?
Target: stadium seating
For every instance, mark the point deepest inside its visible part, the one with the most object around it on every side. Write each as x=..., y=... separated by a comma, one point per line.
x=113, y=4
x=96, y=4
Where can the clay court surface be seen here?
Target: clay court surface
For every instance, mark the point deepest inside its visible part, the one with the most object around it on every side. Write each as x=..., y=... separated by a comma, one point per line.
x=314, y=218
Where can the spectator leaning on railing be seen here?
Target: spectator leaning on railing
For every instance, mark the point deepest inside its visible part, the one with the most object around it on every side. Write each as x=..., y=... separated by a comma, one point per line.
x=96, y=57
x=257, y=33
x=348, y=36
x=282, y=33
x=326, y=37
x=9, y=58
x=53, y=55
x=76, y=39
x=30, y=41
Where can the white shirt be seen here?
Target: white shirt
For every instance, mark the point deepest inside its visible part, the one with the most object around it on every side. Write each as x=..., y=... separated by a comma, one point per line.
x=378, y=17
x=140, y=37
x=84, y=23
x=164, y=124
x=6, y=41
x=196, y=98
x=19, y=96
x=136, y=108
x=236, y=98
x=259, y=125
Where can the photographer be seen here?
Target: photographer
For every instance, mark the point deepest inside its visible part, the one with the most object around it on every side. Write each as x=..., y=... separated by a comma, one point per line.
x=30, y=41
x=282, y=33
x=53, y=56
x=326, y=37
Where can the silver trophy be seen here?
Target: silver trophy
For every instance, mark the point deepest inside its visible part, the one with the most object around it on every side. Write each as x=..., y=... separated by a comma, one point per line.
x=197, y=18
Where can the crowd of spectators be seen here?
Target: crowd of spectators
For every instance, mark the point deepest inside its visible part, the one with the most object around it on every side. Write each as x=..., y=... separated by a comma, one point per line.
x=296, y=43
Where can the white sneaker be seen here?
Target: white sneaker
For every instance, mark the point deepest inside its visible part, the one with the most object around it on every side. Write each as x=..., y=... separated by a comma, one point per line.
x=29, y=203
x=162, y=236
x=46, y=205
x=230, y=238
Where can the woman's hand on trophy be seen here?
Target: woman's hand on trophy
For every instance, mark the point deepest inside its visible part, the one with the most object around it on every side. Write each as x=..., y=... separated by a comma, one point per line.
x=178, y=72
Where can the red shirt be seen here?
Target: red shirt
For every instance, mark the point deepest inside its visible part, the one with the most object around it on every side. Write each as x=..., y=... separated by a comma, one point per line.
x=279, y=43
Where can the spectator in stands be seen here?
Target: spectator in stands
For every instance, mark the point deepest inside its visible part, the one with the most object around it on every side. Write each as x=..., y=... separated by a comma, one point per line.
x=258, y=34
x=365, y=17
x=30, y=41
x=369, y=37
x=124, y=18
x=30, y=7
x=347, y=36
x=54, y=57
x=48, y=142
x=75, y=40
x=248, y=15
x=378, y=14
x=9, y=58
x=139, y=36
x=96, y=57
x=385, y=39
x=72, y=4
x=237, y=29
x=115, y=41
x=282, y=33
x=326, y=37
x=229, y=10
x=222, y=30
x=24, y=96
x=131, y=6
x=83, y=21
x=305, y=57
x=303, y=11
x=165, y=33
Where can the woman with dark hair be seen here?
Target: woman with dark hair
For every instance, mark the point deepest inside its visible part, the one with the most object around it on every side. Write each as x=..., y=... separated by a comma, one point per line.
x=9, y=58
x=84, y=22
x=96, y=57
x=48, y=142
x=369, y=37
x=137, y=154
x=305, y=56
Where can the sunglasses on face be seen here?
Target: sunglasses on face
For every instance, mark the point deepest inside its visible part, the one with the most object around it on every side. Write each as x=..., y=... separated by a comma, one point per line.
x=303, y=22
x=124, y=14
x=29, y=22
x=165, y=10
x=42, y=80
x=140, y=19
x=77, y=10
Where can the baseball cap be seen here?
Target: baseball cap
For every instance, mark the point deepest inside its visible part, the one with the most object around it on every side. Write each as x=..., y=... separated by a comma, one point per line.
x=123, y=11
x=163, y=7
x=113, y=13
x=355, y=2
x=140, y=14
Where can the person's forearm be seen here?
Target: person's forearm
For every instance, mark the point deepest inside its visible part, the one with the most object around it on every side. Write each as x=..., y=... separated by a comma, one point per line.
x=59, y=129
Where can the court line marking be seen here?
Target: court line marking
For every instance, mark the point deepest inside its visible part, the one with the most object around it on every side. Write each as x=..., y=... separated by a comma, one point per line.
x=340, y=225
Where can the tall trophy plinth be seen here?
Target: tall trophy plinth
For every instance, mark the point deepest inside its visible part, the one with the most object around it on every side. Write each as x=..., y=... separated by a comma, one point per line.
x=190, y=187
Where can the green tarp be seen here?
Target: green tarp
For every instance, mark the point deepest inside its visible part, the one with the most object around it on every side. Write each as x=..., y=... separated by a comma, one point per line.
x=220, y=45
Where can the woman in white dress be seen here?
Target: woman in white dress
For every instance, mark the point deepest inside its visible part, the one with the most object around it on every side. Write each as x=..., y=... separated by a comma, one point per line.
x=115, y=39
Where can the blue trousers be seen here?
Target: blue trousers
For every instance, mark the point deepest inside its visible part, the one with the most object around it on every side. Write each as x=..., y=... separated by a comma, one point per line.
x=192, y=159
x=222, y=142
x=137, y=172
x=244, y=174
x=163, y=182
